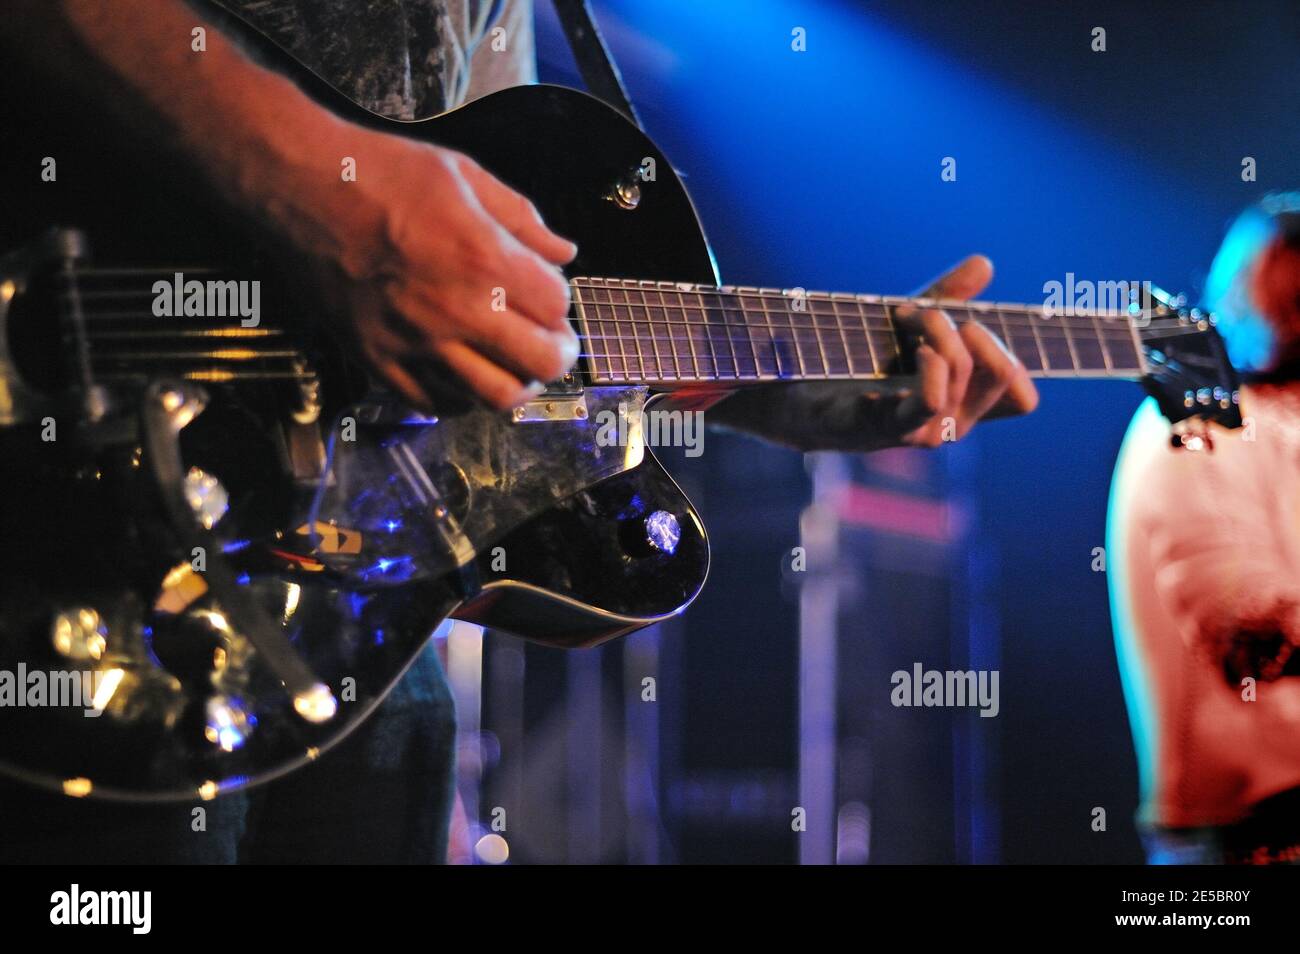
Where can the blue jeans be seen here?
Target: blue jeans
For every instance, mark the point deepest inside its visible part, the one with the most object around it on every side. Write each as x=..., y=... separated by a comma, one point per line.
x=382, y=796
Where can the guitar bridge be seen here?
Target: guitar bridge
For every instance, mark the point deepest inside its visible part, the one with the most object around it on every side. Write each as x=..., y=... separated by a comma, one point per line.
x=563, y=400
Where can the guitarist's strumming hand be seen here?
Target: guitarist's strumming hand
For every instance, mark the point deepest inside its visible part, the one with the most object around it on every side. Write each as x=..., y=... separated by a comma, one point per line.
x=964, y=375
x=460, y=275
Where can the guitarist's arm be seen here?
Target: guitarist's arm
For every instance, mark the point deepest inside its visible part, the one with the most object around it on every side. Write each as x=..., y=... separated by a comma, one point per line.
x=415, y=268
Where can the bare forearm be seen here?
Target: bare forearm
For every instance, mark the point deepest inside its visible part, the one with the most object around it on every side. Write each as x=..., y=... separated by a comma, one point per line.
x=409, y=253
x=803, y=417
x=244, y=128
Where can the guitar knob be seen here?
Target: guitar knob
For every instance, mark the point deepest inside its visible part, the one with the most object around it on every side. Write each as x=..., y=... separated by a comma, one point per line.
x=227, y=723
x=79, y=634
x=626, y=193
x=663, y=532
x=206, y=497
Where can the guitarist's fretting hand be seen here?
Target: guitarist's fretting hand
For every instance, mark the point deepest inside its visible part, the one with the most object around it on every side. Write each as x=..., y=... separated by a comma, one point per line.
x=417, y=269
x=964, y=375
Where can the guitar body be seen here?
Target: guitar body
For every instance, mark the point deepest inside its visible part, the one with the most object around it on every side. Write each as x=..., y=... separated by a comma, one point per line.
x=210, y=651
x=536, y=139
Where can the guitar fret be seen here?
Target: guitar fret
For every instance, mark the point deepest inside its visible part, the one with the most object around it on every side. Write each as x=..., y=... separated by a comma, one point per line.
x=726, y=310
x=724, y=323
x=680, y=321
x=739, y=299
x=1021, y=339
x=844, y=340
x=882, y=334
x=805, y=338
x=1069, y=342
x=1087, y=344
x=624, y=346
x=1101, y=343
x=821, y=309
x=904, y=363
x=817, y=335
x=706, y=331
x=1032, y=319
x=646, y=342
x=605, y=345
x=1123, y=344
x=794, y=338
x=772, y=348
x=1005, y=334
x=600, y=346
x=656, y=341
x=866, y=333
x=719, y=327
x=686, y=331
x=627, y=341
x=654, y=332
x=584, y=333
x=1056, y=343
x=636, y=336
x=980, y=312
x=661, y=309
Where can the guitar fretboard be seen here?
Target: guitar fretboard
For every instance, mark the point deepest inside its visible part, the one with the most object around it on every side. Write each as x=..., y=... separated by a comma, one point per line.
x=667, y=332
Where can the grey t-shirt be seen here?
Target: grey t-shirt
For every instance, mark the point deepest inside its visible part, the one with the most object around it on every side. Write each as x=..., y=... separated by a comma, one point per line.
x=407, y=59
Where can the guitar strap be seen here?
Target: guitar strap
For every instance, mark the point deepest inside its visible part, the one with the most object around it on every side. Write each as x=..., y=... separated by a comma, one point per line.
x=592, y=56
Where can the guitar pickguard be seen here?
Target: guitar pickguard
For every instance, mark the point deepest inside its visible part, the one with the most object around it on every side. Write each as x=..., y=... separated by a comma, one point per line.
x=418, y=498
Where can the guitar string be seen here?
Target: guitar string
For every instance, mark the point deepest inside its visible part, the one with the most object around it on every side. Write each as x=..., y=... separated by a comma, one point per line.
x=1087, y=331
x=1018, y=315
x=783, y=335
x=852, y=352
x=729, y=292
x=1019, y=312
x=854, y=340
x=1024, y=315
x=1041, y=324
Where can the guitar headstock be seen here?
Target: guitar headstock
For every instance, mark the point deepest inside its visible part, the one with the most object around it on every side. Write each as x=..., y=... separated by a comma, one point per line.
x=1188, y=371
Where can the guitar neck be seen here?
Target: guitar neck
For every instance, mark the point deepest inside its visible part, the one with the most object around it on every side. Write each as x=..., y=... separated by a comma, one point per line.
x=673, y=334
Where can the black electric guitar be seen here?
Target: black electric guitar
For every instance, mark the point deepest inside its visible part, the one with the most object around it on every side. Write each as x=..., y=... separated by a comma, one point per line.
x=222, y=546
